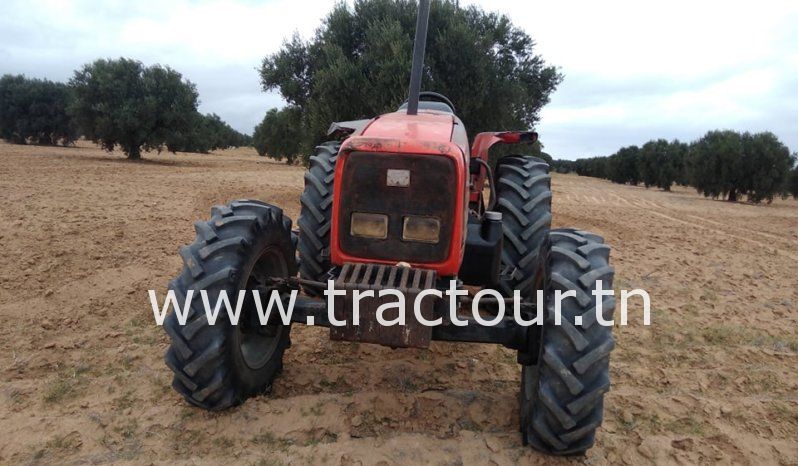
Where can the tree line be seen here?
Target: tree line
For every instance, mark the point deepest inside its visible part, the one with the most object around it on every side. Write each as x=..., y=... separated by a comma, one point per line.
x=356, y=66
x=115, y=103
x=721, y=165
x=35, y=110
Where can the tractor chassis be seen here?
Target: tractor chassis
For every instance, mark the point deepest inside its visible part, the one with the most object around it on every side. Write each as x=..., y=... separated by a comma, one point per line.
x=507, y=332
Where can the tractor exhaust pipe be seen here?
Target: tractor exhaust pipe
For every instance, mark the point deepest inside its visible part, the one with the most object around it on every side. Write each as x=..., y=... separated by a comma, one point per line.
x=419, y=46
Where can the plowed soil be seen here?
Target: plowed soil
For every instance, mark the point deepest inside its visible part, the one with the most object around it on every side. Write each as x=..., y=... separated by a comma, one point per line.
x=84, y=234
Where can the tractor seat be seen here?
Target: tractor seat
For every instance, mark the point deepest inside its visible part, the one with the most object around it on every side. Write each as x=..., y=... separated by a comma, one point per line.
x=432, y=101
x=430, y=105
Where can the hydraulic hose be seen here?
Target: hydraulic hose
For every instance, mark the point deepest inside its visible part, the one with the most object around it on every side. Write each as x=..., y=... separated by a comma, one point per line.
x=491, y=183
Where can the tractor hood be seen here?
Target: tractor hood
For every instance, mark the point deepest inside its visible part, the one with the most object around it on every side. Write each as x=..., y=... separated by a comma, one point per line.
x=426, y=126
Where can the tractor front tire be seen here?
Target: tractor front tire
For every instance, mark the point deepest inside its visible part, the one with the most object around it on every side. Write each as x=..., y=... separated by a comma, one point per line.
x=314, y=218
x=562, y=397
x=219, y=366
x=523, y=190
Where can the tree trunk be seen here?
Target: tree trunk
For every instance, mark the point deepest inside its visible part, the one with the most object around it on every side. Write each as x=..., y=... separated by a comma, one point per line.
x=733, y=195
x=134, y=153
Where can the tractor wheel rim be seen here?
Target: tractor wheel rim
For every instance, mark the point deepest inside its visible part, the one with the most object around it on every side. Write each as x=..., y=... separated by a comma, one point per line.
x=257, y=344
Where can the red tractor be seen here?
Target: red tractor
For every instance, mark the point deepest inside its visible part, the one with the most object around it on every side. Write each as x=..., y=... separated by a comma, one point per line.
x=396, y=202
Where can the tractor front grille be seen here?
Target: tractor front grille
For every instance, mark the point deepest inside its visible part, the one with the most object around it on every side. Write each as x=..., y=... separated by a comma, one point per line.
x=363, y=277
x=430, y=192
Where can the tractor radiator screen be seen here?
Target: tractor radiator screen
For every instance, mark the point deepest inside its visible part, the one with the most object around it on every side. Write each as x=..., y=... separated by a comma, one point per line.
x=425, y=189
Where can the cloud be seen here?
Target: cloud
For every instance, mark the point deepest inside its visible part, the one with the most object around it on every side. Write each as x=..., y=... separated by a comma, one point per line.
x=216, y=44
x=633, y=70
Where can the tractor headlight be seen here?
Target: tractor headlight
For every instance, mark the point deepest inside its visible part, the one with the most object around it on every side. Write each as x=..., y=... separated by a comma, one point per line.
x=369, y=225
x=421, y=229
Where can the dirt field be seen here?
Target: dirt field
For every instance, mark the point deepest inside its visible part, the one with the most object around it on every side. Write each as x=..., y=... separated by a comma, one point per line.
x=84, y=234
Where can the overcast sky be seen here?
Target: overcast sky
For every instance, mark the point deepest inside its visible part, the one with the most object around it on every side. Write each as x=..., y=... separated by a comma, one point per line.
x=633, y=70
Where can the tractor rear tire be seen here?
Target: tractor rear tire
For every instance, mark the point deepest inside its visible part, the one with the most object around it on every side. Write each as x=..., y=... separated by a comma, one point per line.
x=523, y=190
x=314, y=218
x=562, y=397
x=219, y=366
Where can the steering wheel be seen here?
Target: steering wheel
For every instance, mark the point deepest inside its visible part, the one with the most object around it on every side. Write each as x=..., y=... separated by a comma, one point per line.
x=436, y=97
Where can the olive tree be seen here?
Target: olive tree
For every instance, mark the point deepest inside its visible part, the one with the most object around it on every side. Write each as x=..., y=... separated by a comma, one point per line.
x=358, y=66
x=122, y=102
x=279, y=135
x=766, y=166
